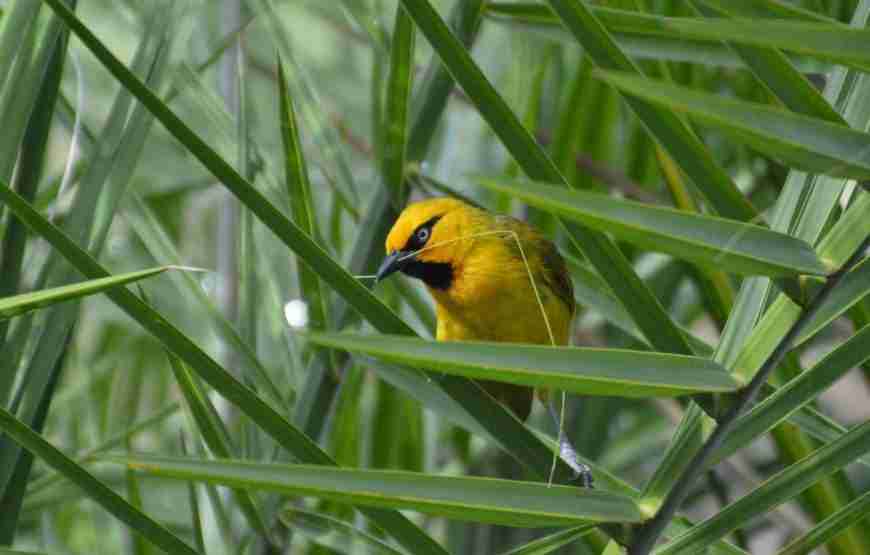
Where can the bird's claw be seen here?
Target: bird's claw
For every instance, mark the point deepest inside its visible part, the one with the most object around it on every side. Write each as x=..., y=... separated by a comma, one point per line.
x=582, y=474
x=583, y=479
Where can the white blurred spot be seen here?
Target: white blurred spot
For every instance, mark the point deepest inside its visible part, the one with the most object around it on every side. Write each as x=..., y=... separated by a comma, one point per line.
x=296, y=313
x=209, y=284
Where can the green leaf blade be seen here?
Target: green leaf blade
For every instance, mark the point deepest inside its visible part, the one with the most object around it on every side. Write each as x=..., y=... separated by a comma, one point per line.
x=830, y=527
x=685, y=148
x=587, y=371
x=716, y=242
x=797, y=392
x=778, y=489
x=99, y=492
x=20, y=304
x=267, y=418
x=835, y=42
x=397, y=101
x=505, y=502
x=805, y=143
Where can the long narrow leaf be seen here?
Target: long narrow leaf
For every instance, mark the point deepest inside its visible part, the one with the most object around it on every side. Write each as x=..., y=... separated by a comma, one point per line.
x=837, y=43
x=552, y=542
x=287, y=231
x=715, y=242
x=299, y=192
x=804, y=32
x=778, y=489
x=683, y=146
x=825, y=530
x=316, y=526
x=215, y=435
x=802, y=142
x=116, y=440
x=589, y=371
x=772, y=68
x=160, y=246
x=783, y=312
x=230, y=388
x=798, y=392
x=19, y=304
x=637, y=35
x=396, y=102
x=505, y=502
x=94, y=488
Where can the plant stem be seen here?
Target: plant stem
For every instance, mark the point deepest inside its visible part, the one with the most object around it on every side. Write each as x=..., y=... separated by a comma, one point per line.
x=648, y=533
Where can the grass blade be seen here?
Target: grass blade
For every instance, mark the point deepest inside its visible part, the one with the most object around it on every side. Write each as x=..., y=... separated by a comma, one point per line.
x=81, y=220
x=94, y=488
x=782, y=312
x=301, y=203
x=635, y=34
x=30, y=166
x=230, y=388
x=396, y=103
x=834, y=42
x=772, y=68
x=316, y=525
x=797, y=392
x=506, y=502
x=427, y=106
x=825, y=38
x=683, y=146
x=589, y=371
x=19, y=304
x=824, y=531
x=552, y=542
x=805, y=143
x=159, y=245
x=116, y=440
x=715, y=242
x=778, y=489
x=215, y=435
x=311, y=253
x=17, y=18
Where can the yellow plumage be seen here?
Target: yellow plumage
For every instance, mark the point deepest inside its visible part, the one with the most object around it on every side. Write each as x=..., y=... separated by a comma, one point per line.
x=473, y=267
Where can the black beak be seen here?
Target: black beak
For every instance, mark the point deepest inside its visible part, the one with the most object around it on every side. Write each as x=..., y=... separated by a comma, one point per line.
x=392, y=264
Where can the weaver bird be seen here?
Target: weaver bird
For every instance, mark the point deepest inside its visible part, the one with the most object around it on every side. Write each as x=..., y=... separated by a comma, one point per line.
x=492, y=277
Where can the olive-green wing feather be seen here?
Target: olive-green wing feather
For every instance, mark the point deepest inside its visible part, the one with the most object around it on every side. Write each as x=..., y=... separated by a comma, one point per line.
x=543, y=255
x=556, y=274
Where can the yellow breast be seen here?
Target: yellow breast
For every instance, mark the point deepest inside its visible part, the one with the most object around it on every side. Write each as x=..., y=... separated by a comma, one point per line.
x=492, y=299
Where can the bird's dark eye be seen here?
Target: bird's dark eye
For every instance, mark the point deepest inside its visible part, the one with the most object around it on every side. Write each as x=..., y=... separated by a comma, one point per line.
x=422, y=235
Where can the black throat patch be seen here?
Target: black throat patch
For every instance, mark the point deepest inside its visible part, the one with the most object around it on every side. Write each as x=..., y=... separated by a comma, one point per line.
x=437, y=275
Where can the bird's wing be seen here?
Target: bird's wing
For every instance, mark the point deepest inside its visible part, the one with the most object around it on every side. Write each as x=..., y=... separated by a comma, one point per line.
x=548, y=266
x=556, y=273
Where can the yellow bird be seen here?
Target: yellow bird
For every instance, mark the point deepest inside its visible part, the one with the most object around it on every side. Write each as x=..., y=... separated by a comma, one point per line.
x=489, y=276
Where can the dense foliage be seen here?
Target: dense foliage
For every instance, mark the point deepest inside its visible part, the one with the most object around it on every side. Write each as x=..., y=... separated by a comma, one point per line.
x=702, y=164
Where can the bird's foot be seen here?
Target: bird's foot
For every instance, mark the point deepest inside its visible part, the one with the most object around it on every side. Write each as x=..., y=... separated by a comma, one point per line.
x=582, y=473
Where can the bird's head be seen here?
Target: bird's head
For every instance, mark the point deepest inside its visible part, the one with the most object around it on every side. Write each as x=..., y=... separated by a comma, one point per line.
x=422, y=242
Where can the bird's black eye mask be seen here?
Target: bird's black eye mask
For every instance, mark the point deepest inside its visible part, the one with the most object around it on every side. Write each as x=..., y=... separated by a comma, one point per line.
x=434, y=274
x=421, y=235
